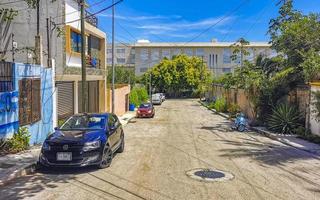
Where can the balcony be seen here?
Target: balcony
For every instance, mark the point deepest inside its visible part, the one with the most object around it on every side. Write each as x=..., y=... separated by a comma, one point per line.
x=93, y=62
x=93, y=20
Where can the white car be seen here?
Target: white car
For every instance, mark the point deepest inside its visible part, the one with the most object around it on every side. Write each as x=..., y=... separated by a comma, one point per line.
x=156, y=99
x=163, y=97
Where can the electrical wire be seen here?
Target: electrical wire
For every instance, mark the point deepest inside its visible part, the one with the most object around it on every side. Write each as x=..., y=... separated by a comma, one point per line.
x=93, y=14
x=11, y=2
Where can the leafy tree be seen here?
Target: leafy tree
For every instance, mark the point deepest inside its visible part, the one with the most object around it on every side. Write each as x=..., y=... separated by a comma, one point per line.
x=239, y=50
x=181, y=73
x=122, y=75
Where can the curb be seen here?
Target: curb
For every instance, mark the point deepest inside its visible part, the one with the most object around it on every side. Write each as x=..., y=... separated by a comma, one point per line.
x=213, y=110
x=26, y=170
x=264, y=132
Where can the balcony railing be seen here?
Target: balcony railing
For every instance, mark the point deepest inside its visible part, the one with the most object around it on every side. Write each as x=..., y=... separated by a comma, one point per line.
x=91, y=19
x=93, y=62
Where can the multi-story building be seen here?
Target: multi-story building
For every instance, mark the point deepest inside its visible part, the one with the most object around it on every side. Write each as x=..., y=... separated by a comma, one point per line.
x=124, y=55
x=65, y=47
x=216, y=55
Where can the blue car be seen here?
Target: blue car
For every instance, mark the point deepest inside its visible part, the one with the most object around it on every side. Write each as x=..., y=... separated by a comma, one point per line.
x=84, y=139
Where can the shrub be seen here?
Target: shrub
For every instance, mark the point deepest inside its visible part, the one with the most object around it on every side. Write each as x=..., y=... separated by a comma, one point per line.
x=233, y=109
x=19, y=141
x=220, y=105
x=284, y=119
x=211, y=105
x=142, y=94
x=134, y=99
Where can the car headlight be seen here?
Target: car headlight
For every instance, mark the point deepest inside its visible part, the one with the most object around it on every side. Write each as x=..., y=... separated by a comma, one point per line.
x=46, y=146
x=89, y=146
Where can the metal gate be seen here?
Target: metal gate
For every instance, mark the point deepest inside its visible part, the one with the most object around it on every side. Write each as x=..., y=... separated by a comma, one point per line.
x=65, y=99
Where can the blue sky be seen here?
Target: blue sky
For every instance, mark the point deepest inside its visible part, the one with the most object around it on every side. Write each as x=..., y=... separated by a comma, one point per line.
x=182, y=20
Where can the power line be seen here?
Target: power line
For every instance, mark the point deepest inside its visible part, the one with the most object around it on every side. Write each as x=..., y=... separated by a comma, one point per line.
x=93, y=14
x=95, y=4
x=220, y=20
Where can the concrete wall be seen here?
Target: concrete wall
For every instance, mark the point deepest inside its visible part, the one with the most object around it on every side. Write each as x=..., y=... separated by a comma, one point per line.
x=120, y=99
x=9, y=121
x=314, y=123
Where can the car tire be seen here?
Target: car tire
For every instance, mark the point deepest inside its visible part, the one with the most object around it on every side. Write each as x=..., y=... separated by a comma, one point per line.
x=121, y=148
x=107, y=156
x=241, y=128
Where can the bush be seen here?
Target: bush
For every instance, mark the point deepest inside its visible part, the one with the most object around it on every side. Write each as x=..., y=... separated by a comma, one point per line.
x=211, y=105
x=220, y=105
x=284, y=119
x=233, y=109
x=134, y=99
x=138, y=95
x=19, y=142
x=142, y=94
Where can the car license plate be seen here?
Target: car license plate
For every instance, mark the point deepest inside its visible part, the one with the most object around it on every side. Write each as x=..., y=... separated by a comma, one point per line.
x=64, y=156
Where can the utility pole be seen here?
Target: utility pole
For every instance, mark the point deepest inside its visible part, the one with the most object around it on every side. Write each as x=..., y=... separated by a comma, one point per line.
x=38, y=17
x=150, y=87
x=113, y=56
x=48, y=41
x=83, y=59
x=13, y=47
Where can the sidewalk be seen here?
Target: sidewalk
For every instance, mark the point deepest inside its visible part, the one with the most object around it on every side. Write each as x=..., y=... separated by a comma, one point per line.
x=15, y=165
x=290, y=140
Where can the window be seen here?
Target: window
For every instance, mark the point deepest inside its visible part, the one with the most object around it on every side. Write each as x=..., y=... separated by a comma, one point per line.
x=75, y=42
x=176, y=52
x=188, y=52
x=200, y=52
x=121, y=60
x=226, y=55
x=226, y=70
x=6, y=77
x=250, y=57
x=143, y=69
x=84, y=122
x=216, y=59
x=109, y=51
x=121, y=50
x=144, y=55
x=165, y=53
x=29, y=101
x=155, y=55
x=109, y=60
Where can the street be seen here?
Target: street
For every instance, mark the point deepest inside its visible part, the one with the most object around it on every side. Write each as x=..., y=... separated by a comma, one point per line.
x=183, y=136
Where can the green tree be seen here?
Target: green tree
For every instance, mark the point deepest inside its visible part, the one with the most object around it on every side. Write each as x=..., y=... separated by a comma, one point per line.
x=177, y=75
x=239, y=50
x=122, y=75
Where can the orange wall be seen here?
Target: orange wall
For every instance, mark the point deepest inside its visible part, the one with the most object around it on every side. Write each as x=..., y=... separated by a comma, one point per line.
x=120, y=99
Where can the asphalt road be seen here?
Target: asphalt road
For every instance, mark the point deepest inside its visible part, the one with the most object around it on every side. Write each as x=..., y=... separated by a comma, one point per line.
x=183, y=136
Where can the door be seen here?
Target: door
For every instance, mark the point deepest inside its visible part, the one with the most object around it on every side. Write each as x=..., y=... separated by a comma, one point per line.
x=93, y=97
x=65, y=99
x=119, y=129
x=112, y=131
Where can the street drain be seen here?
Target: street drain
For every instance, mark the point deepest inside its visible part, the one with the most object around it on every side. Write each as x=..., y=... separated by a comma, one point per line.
x=209, y=175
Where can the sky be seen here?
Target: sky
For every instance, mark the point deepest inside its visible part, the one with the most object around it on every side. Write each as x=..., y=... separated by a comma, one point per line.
x=189, y=20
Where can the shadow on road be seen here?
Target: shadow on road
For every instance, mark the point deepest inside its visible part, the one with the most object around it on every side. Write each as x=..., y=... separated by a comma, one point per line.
x=266, y=153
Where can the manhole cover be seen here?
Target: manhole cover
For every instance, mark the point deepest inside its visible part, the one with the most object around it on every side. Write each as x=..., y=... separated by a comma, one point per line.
x=209, y=175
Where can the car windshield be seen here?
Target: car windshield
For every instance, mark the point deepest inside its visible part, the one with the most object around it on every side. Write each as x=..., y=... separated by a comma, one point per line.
x=145, y=105
x=84, y=122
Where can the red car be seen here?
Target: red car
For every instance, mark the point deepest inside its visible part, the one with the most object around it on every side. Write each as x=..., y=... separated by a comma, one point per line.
x=146, y=110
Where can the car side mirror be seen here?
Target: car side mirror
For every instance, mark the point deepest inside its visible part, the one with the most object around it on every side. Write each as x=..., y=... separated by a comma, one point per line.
x=112, y=128
x=56, y=128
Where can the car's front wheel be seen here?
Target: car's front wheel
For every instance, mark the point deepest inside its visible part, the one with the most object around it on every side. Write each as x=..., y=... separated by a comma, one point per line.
x=107, y=156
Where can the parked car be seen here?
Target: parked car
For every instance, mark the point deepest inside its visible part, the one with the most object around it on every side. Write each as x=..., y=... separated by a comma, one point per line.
x=156, y=99
x=163, y=97
x=146, y=110
x=84, y=139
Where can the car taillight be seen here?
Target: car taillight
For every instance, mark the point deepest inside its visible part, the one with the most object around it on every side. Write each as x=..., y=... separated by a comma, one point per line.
x=138, y=111
x=149, y=111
